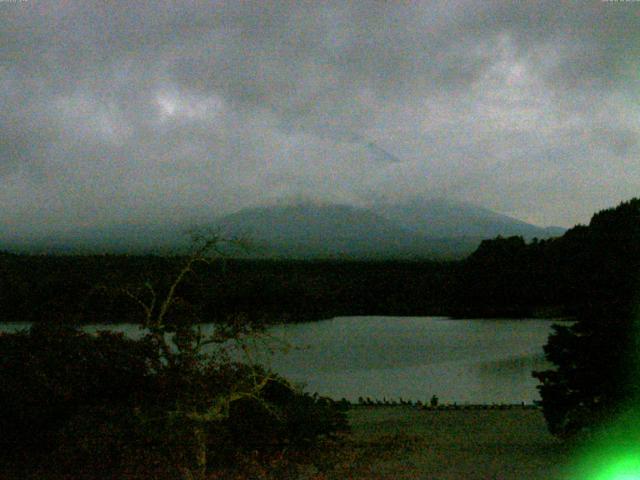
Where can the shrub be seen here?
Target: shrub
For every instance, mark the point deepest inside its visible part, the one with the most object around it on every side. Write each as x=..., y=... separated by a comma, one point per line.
x=50, y=372
x=87, y=405
x=75, y=404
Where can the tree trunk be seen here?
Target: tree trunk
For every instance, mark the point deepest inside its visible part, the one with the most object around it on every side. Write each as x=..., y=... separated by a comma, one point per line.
x=198, y=453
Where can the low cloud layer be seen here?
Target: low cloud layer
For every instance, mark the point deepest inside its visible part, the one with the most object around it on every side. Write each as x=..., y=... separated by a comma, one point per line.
x=148, y=112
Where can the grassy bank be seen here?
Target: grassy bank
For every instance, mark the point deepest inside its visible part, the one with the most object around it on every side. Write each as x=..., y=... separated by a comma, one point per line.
x=409, y=443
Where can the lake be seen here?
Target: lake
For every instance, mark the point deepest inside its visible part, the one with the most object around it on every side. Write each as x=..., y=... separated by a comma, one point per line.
x=463, y=361
x=476, y=361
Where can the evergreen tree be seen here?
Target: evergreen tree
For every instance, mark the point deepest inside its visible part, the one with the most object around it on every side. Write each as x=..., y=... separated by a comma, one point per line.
x=596, y=373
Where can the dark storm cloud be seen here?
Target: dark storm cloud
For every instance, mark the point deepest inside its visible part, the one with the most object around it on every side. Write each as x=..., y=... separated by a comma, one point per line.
x=153, y=111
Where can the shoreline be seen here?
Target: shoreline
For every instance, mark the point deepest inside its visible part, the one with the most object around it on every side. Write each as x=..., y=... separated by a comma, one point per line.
x=447, y=406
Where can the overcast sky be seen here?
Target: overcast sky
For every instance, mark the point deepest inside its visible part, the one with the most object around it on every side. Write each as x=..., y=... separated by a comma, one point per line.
x=127, y=112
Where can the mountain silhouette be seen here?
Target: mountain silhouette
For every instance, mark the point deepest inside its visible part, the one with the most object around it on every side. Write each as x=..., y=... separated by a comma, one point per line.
x=418, y=228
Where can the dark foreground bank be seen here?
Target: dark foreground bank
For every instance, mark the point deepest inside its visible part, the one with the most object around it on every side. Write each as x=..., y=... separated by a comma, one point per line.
x=410, y=443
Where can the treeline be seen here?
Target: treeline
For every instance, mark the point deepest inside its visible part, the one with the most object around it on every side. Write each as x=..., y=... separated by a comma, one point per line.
x=588, y=266
x=504, y=277
x=593, y=388
x=99, y=288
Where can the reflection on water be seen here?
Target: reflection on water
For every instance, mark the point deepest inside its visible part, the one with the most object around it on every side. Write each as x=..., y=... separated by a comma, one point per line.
x=476, y=361
x=513, y=365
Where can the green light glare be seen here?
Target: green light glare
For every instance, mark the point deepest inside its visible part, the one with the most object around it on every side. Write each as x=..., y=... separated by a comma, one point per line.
x=623, y=468
x=614, y=453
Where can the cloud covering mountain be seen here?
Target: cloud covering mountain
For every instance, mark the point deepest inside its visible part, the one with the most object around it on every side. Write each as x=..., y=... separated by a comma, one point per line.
x=162, y=112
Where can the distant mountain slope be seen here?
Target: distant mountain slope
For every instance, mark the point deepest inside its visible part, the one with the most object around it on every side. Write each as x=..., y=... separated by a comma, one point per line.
x=313, y=230
x=440, y=218
x=306, y=229
x=115, y=238
x=428, y=228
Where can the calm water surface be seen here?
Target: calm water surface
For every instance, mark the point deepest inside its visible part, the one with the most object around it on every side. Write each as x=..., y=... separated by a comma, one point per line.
x=483, y=361
x=476, y=361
